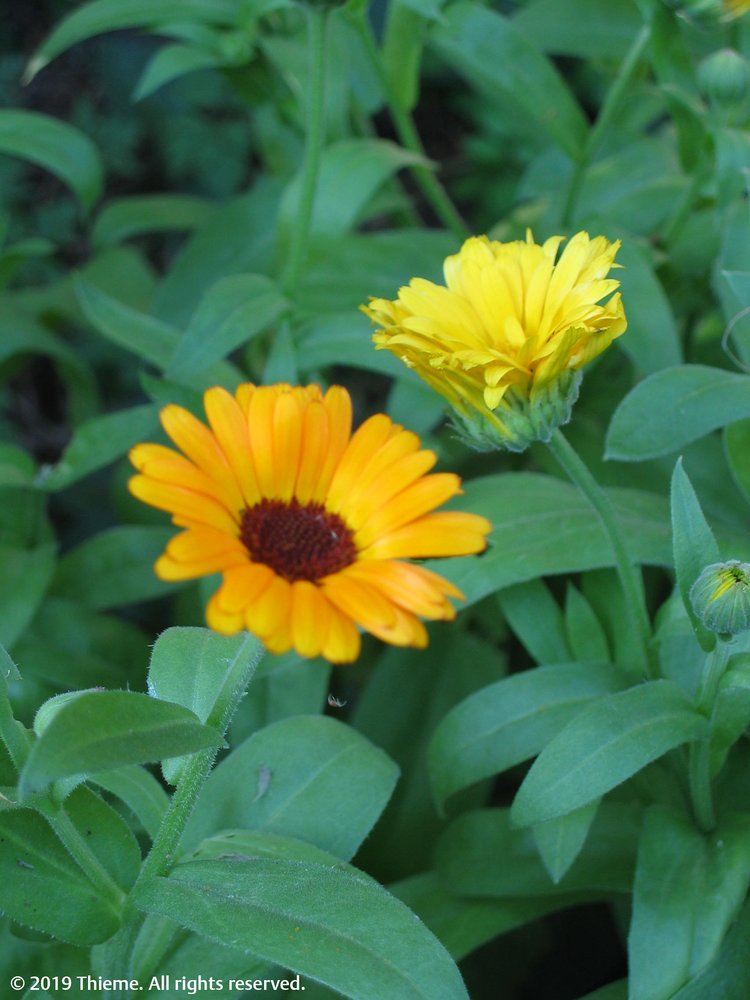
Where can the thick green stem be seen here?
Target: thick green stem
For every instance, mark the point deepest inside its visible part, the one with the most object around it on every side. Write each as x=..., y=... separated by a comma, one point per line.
x=609, y=109
x=434, y=192
x=119, y=951
x=318, y=32
x=630, y=578
x=699, y=765
x=84, y=857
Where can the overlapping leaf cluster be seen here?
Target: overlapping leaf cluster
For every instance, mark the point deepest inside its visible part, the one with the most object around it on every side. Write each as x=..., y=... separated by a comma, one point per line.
x=317, y=837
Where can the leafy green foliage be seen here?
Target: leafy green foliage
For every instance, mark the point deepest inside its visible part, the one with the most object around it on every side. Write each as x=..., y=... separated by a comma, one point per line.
x=156, y=180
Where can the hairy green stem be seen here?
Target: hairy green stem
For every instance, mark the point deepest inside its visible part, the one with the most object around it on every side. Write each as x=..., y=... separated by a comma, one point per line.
x=630, y=578
x=318, y=33
x=164, y=850
x=699, y=761
x=434, y=192
x=609, y=109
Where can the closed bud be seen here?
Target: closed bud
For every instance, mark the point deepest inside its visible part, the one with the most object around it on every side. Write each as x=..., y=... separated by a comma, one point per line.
x=721, y=597
x=724, y=77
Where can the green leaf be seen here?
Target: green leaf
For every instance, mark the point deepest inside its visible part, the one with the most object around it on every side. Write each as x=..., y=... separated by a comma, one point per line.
x=688, y=889
x=239, y=845
x=98, y=442
x=113, y=568
x=464, y=923
x=400, y=718
x=559, y=841
x=56, y=146
x=498, y=58
x=737, y=448
x=143, y=335
x=543, y=526
x=140, y=791
x=694, y=546
x=170, y=63
x=101, y=16
x=673, y=407
x=107, y=835
x=648, y=310
x=106, y=729
x=534, y=615
x=194, y=667
x=731, y=714
x=23, y=583
x=309, y=777
x=510, y=721
x=238, y=238
x=232, y=312
x=557, y=28
x=304, y=916
x=585, y=633
x=43, y=888
x=123, y=218
x=481, y=854
x=605, y=745
x=728, y=976
x=351, y=171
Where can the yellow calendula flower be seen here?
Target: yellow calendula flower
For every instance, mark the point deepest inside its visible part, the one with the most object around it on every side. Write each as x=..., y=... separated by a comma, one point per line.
x=308, y=524
x=506, y=336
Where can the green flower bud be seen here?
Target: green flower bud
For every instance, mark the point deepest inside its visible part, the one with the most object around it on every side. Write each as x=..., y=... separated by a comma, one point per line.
x=721, y=597
x=724, y=77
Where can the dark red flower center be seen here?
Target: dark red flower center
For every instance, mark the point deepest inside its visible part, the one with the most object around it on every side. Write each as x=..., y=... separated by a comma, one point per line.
x=298, y=541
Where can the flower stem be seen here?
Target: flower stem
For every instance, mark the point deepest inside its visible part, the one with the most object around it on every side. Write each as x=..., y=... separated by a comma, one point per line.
x=609, y=110
x=699, y=761
x=84, y=857
x=434, y=192
x=317, y=39
x=630, y=578
x=119, y=950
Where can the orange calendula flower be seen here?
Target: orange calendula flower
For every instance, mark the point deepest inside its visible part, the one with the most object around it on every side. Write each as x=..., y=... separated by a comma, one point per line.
x=308, y=524
x=506, y=336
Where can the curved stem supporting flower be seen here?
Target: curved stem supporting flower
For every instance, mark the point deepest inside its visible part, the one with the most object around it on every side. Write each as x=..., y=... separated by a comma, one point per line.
x=699, y=765
x=609, y=110
x=318, y=32
x=630, y=579
x=119, y=951
x=436, y=195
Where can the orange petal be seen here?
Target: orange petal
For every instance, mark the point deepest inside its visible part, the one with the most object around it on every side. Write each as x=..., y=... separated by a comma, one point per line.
x=243, y=585
x=343, y=641
x=338, y=403
x=271, y=609
x=222, y=621
x=287, y=441
x=260, y=430
x=447, y=533
x=409, y=586
x=314, y=453
x=408, y=505
x=370, y=496
x=360, y=601
x=182, y=502
x=229, y=425
x=311, y=616
x=371, y=436
x=201, y=447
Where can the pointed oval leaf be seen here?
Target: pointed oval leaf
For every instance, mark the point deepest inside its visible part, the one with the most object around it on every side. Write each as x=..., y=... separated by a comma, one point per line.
x=106, y=729
x=43, y=888
x=332, y=924
x=491, y=51
x=110, y=15
x=309, y=777
x=124, y=218
x=694, y=545
x=56, y=146
x=510, y=721
x=673, y=407
x=98, y=442
x=232, y=312
x=605, y=745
